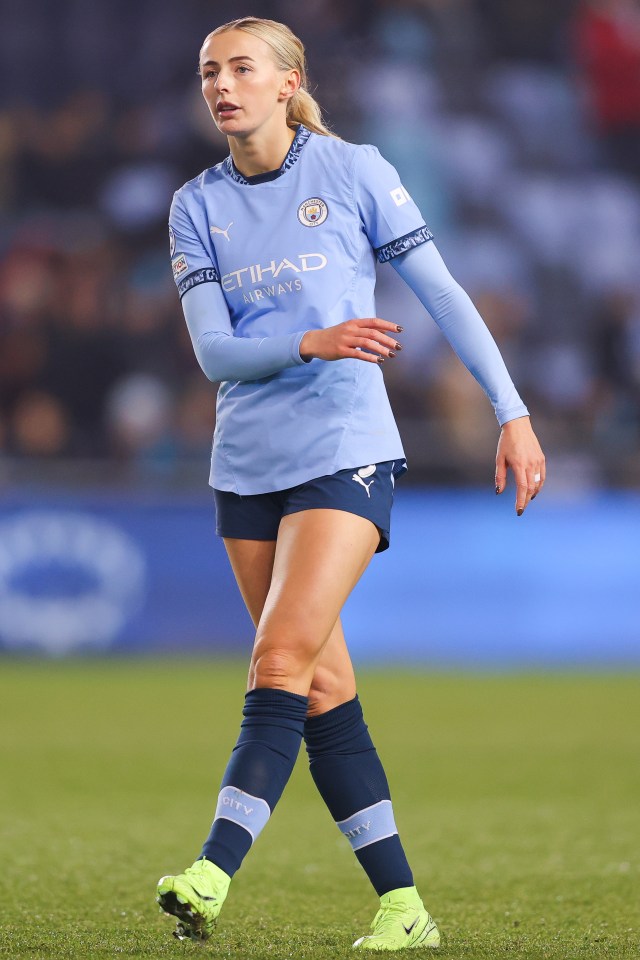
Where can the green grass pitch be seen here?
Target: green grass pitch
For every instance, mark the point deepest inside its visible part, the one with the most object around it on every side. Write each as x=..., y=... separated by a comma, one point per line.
x=517, y=797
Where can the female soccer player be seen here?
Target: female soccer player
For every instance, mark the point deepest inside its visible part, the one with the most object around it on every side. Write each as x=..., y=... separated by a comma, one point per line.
x=273, y=252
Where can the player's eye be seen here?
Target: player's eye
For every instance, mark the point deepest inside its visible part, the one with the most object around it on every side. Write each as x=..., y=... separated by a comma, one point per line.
x=242, y=69
x=209, y=73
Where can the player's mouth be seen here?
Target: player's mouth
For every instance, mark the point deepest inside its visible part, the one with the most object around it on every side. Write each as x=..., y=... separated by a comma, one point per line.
x=225, y=109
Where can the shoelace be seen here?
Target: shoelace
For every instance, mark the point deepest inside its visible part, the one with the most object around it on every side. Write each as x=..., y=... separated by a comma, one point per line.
x=196, y=870
x=388, y=916
x=199, y=875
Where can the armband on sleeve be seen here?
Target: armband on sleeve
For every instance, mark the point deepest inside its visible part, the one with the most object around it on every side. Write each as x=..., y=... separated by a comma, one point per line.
x=192, y=256
x=203, y=275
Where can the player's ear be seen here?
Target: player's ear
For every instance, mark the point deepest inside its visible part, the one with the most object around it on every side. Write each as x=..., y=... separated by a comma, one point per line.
x=290, y=85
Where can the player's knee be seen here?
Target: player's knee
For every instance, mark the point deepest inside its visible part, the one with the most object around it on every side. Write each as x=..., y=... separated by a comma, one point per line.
x=284, y=653
x=276, y=669
x=328, y=690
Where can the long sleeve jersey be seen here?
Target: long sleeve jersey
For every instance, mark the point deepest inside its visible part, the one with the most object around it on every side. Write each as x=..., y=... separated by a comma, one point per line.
x=260, y=260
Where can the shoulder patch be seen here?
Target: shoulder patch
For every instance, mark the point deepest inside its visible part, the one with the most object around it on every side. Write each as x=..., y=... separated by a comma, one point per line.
x=179, y=266
x=400, y=196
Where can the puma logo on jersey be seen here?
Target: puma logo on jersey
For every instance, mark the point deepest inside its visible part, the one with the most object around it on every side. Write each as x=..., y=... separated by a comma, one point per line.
x=225, y=233
x=364, y=472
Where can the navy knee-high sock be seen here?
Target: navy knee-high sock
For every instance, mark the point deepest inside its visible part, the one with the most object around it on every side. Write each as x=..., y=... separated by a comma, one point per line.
x=256, y=775
x=349, y=775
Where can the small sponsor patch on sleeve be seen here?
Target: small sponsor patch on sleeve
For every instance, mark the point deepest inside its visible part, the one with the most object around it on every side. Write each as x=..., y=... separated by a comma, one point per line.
x=399, y=196
x=172, y=242
x=179, y=266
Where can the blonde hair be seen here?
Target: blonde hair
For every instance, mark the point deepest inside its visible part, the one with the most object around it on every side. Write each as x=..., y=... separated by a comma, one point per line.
x=289, y=54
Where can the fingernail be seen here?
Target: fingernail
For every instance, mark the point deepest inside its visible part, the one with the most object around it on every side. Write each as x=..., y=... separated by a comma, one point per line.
x=399, y=329
x=380, y=359
x=497, y=489
x=520, y=512
x=398, y=346
x=391, y=353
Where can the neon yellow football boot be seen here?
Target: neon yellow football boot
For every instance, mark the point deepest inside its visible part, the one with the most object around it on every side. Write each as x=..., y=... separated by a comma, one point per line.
x=195, y=898
x=401, y=923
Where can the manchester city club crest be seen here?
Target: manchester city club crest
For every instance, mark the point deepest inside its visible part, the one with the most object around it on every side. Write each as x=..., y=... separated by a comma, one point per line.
x=312, y=212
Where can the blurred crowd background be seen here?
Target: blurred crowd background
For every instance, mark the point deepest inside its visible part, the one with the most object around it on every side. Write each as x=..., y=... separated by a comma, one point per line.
x=515, y=125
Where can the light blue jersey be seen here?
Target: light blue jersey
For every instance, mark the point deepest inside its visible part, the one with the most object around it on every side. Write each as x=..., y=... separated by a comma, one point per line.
x=292, y=254
x=259, y=261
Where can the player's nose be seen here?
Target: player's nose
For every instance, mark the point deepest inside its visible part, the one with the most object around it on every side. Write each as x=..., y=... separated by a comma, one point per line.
x=222, y=81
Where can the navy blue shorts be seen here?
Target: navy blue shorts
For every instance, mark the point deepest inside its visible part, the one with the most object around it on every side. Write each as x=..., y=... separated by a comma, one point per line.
x=366, y=491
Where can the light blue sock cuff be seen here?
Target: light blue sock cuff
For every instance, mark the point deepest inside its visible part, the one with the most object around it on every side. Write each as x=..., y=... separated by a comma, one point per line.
x=242, y=808
x=369, y=825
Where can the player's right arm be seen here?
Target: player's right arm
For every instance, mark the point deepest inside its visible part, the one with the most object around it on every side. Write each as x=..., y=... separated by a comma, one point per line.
x=223, y=356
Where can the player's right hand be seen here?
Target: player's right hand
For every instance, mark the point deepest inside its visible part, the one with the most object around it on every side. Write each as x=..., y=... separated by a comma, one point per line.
x=361, y=339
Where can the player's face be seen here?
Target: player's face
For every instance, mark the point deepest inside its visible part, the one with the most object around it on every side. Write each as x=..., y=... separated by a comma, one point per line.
x=241, y=84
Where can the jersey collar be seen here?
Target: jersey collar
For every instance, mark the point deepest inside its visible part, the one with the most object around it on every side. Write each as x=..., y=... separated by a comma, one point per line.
x=293, y=154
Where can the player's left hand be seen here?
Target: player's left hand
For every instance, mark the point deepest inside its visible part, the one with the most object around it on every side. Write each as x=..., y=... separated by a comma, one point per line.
x=519, y=449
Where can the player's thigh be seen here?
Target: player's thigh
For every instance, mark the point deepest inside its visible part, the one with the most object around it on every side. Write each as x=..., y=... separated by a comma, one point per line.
x=333, y=680
x=252, y=565
x=320, y=556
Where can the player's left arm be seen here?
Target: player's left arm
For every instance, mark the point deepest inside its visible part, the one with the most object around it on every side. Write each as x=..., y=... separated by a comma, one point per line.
x=423, y=269
x=398, y=234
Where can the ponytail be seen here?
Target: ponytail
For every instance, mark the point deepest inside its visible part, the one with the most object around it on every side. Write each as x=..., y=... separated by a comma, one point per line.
x=302, y=108
x=288, y=51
